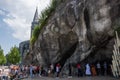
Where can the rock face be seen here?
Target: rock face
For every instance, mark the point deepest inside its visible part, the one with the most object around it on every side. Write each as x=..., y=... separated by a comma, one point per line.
x=78, y=31
x=24, y=49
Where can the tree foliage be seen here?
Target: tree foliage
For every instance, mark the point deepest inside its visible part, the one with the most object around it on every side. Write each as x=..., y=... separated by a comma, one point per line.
x=2, y=57
x=13, y=56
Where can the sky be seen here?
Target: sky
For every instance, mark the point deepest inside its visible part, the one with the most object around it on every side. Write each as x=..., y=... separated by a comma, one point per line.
x=15, y=20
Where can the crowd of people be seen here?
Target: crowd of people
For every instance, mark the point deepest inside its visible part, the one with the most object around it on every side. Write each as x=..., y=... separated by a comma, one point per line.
x=54, y=70
x=93, y=69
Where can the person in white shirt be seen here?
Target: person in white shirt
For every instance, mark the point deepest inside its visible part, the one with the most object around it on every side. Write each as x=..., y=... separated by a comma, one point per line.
x=98, y=69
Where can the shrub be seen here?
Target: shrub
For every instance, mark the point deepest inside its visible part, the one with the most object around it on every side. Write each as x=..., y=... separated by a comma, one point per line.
x=35, y=34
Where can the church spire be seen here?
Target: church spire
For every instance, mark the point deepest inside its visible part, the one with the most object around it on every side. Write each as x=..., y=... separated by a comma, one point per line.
x=35, y=19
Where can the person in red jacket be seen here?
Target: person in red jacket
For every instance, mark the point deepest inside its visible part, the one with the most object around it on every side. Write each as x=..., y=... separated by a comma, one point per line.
x=79, y=70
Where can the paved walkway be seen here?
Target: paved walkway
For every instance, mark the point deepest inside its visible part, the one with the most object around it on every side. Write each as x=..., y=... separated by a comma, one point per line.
x=75, y=78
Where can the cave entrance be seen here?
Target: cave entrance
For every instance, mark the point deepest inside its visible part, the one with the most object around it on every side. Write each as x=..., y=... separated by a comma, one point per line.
x=68, y=54
x=68, y=45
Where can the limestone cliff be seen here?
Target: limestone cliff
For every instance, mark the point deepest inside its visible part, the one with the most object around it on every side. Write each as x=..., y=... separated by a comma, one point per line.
x=78, y=30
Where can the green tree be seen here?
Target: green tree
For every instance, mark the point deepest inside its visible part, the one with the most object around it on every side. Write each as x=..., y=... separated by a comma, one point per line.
x=2, y=57
x=13, y=56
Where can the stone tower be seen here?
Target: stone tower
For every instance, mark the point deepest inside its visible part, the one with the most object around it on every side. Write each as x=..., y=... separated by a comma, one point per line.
x=35, y=21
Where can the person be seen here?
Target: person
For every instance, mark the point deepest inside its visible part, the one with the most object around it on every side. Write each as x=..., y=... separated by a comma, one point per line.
x=37, y=70
x=26, y=70
x=0, y=74
x=58, y=69
x=40, y=70
x=52, y=69
x=88, y=71
x=16, y=73
x=105, y=68
x=5, y=76
x=98, y=68
x=79, y=70
x=23, y=68
x=70, y=70
x=93, y=70
x=31, y=71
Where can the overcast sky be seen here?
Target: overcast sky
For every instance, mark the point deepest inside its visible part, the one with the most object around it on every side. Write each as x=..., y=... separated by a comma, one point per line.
x=15, y=20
